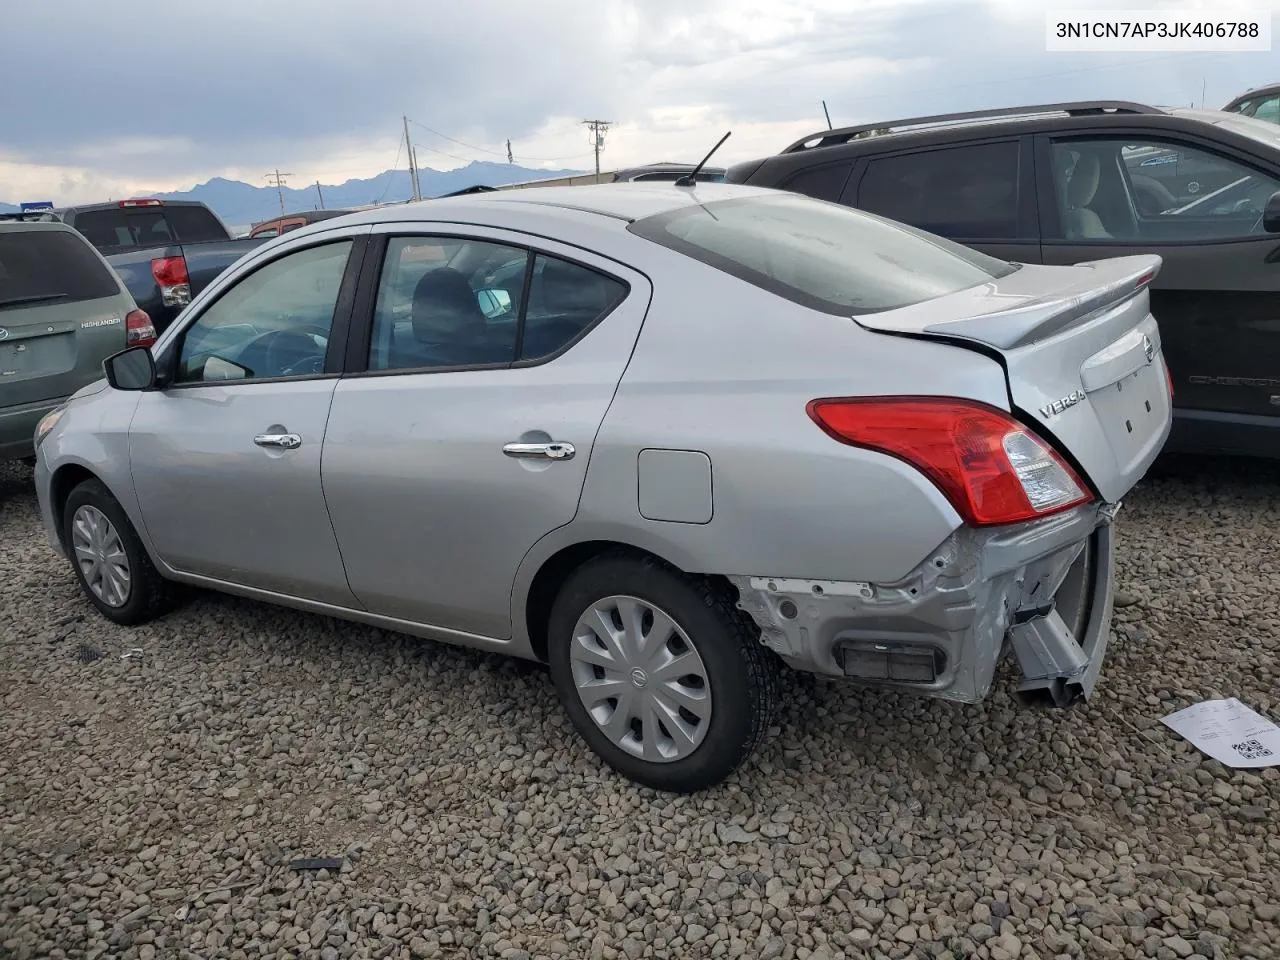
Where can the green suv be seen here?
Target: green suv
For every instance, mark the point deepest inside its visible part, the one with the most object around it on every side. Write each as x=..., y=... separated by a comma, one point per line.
x=63, y=311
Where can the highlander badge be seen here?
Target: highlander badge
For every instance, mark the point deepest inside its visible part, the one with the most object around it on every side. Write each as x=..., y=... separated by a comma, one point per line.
x=1070, y=400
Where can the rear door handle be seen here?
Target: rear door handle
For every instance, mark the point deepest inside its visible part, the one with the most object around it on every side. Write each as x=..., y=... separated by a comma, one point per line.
x=540, y=451
x=287, y=441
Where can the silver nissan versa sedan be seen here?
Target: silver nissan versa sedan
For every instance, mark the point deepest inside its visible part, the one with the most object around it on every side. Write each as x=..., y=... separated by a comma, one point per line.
x=664, y=438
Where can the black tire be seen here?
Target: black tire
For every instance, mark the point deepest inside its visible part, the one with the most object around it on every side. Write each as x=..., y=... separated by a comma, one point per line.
x=149, y=594
x=742, y=674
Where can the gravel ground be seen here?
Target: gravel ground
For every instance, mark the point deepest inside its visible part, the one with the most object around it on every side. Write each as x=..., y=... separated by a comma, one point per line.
x=152, y=804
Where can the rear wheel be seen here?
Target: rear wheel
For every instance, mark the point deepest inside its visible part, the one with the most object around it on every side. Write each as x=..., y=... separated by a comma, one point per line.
x=109, y=559
x=660, y=673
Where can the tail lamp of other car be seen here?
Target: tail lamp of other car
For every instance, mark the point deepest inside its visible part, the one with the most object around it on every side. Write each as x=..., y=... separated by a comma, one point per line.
x=991, y=468
x=139, y=330
x=170, y=274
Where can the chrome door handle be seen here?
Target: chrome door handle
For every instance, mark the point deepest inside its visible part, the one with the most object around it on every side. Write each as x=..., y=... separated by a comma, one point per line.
x=540, y=451
x=287, y=441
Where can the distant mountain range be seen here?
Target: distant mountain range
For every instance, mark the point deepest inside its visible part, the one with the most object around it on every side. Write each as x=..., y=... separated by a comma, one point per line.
x=239, y=204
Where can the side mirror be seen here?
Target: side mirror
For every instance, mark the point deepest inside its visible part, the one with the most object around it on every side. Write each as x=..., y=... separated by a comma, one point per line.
x=493, y=302
x=132, y=369
x=1271, y=214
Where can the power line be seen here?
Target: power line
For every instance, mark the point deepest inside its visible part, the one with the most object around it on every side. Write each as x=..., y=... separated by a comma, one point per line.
x=497, y=153
x=391, y=179
x=598, y=130
x=277, y=179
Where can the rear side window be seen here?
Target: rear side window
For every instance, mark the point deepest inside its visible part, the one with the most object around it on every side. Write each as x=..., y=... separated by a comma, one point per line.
x=51, y=265
x=821, y=255
x=822, y=183
x=965, y=193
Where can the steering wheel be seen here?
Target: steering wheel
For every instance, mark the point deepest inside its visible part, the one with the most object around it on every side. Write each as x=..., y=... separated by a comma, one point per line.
x=295, y=350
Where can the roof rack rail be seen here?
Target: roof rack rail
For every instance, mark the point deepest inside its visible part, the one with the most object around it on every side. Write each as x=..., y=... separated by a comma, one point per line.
x=827, y=138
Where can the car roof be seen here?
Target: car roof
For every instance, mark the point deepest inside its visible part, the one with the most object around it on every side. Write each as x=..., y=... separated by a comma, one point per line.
x=625, y=202
x=31, y=226
x=1263, y=91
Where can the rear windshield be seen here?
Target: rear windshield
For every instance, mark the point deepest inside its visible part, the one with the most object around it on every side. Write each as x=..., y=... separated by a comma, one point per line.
x=114, y=230
x=821, y=255
x=43, y=265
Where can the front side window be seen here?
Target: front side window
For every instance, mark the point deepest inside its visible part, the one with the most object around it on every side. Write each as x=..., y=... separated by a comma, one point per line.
x=1152, y=192
x=275, y=322
x=821, y=255
x=965, y=193
x=460, y=302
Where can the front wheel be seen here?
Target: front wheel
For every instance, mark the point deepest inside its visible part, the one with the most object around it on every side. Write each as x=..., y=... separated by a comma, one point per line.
x=109, y=559
x=660, y=673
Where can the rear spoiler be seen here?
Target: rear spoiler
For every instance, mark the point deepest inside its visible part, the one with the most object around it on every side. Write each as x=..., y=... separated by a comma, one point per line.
x=1113, y=281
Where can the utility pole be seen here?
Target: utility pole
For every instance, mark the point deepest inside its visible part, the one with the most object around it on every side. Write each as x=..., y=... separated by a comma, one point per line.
x=413, y=162
x=277, y=179
x=598, y=128
x=417, y=175
x=320, y=193
x=510, y=158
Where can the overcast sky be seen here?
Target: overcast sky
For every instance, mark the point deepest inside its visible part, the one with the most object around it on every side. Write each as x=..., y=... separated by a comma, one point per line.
x=111, y=98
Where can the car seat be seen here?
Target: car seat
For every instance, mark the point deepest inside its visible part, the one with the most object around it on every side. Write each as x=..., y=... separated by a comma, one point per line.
x=1079, y=220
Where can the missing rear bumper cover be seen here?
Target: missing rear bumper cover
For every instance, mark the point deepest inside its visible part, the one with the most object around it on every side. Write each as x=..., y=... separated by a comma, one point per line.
x=1041, y=592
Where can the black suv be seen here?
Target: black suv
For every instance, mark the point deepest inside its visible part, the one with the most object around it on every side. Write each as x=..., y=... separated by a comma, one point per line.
x=1070, y=182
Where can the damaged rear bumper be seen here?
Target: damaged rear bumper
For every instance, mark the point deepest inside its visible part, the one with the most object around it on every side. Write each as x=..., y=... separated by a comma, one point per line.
x=1041, y=591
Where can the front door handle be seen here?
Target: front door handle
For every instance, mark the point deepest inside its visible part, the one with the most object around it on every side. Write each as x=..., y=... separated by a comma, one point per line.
x=540, y=451
x=286, y=441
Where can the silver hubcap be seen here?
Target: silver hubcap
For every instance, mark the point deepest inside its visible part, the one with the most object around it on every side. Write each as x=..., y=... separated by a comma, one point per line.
x=641, y=679
x=101, y=556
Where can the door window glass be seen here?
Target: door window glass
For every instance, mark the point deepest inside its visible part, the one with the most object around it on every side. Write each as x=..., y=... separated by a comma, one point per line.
x=459, y=302
x=564, y=300
x=963, y=193
x=447, y=302
x=1152, y=192
x=275, y=322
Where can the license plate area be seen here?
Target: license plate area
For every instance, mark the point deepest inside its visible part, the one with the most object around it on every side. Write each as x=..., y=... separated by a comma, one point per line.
x=42, y=356
x=1132, y=411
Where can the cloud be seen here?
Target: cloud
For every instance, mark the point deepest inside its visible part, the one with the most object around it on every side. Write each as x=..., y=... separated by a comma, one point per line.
x=141, y=94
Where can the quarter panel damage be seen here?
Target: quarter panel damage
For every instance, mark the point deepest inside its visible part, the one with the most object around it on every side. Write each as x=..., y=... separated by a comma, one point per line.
x=1041, y=590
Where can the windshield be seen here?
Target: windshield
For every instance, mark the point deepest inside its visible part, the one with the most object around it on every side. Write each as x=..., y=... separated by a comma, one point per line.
x=821, y=255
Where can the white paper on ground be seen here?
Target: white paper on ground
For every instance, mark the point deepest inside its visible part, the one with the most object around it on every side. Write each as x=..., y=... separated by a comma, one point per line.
x=1229, y=731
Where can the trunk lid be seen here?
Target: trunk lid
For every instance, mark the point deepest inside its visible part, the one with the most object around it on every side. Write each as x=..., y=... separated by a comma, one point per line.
x=62, y=312
x=1081, y=352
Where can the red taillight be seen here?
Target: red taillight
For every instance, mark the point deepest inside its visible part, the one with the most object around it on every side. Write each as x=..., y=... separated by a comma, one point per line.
x=1168, y=377
x=992, y=469
x=170, y=271
x=1145, y=279
x=139, y=330
x=171, y=277
x=140, y=203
